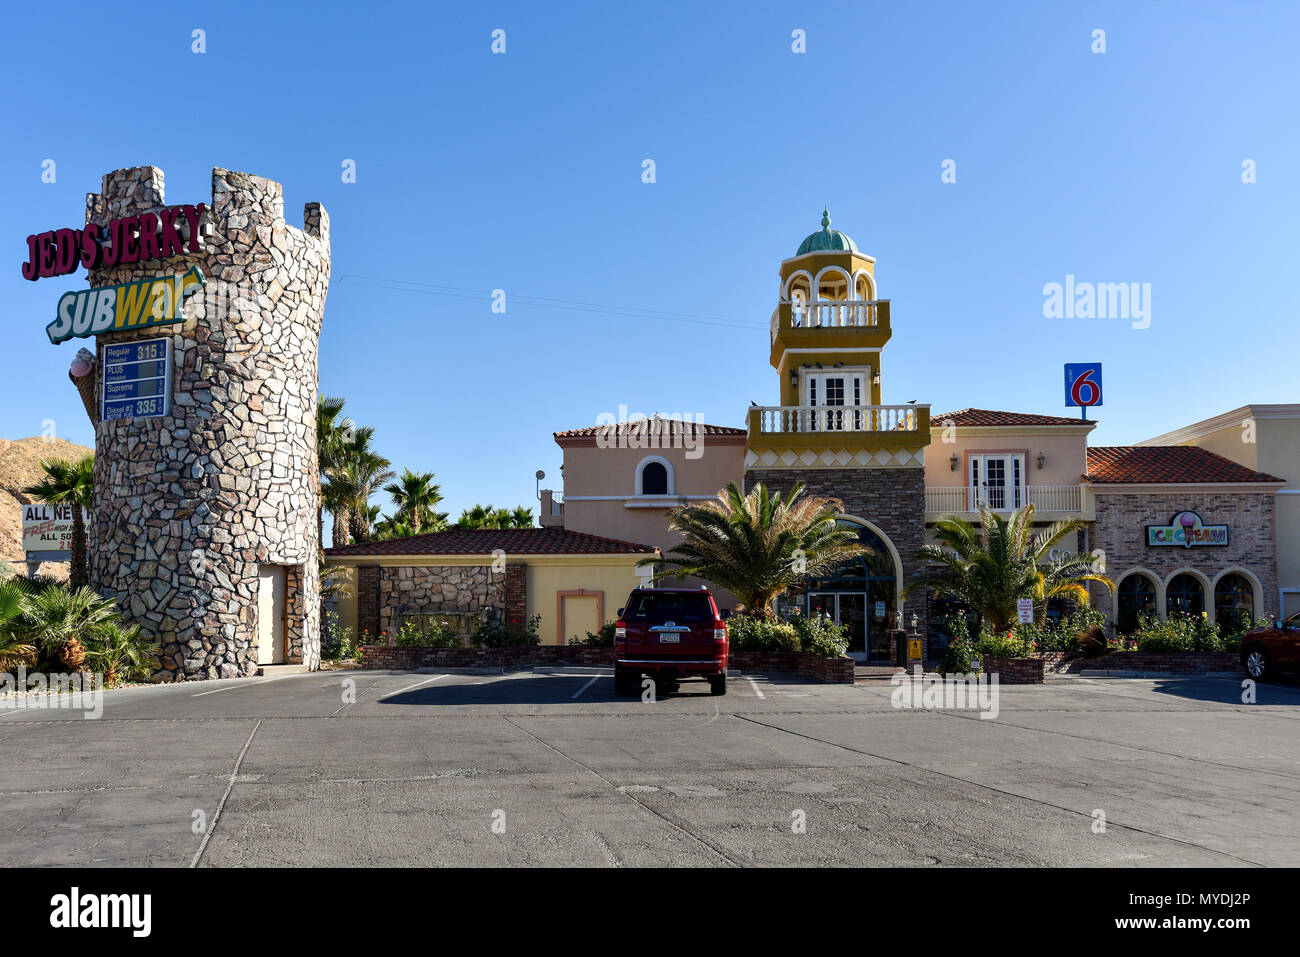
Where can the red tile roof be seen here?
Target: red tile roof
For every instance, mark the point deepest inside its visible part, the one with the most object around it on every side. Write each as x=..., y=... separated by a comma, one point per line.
x=673, y=427
x=979, y=417
x=484, y=541
x=1159, y=464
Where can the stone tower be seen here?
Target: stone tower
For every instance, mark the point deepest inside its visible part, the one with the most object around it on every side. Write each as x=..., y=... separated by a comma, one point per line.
x=832, y=432
x=205, y=525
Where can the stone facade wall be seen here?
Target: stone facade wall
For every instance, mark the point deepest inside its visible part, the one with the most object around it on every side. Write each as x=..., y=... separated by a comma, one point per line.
x=190, y=505
x=1120, y=530
x=417, y=589
x=891, y=499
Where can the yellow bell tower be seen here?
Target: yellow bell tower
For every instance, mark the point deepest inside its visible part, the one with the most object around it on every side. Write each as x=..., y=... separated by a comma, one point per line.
x=828, y=332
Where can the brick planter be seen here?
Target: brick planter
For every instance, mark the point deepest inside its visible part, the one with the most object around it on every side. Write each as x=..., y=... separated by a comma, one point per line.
x=827, y=670
x=1160, y=662
x=806, y=665
x=1014, y=671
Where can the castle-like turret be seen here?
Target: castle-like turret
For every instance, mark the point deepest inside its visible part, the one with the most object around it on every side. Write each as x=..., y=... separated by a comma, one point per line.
x=205, y=524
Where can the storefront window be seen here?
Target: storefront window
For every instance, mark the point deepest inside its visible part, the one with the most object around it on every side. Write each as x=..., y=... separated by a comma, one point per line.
x=1234, y=603
x=1185, y=595
x=1137, y=597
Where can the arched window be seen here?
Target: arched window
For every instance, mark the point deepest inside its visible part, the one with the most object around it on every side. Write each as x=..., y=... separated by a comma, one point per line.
x=1234, y=603
x=1136, y=597
x=654, y=479
x=1185, y=595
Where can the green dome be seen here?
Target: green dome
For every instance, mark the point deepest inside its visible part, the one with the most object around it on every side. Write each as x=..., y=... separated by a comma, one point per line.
x=827, y=239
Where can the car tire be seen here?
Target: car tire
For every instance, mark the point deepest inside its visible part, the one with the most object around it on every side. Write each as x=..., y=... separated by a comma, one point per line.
x=718, y=684
x=1257, y=662
x=625, y=682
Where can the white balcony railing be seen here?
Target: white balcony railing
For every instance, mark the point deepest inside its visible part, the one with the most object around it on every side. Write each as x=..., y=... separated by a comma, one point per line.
x=1044, y=498
x=841, y=418
x=832, y=314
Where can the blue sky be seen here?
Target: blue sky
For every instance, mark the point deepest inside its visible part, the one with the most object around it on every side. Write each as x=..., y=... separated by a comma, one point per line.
x=522, y=172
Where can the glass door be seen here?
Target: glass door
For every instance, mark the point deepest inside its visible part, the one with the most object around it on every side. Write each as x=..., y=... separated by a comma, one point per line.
x=848, y=609
x=834, y=398
x=996, y=481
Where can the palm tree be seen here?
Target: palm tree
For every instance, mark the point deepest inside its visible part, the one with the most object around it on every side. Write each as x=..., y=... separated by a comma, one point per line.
x=70, y=483
x=357, y=473
x=416, y=497
x=759, y=544
x=487, y=516
x=121, y=652
x=331, y=434
x=392, y=527
x=58, y=619
x=990, y=566
x=15, y=647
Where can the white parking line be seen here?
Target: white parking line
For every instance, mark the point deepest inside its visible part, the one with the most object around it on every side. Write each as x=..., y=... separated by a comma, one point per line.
x=754, y=685
x=585, y=687
x=418, y=684
x=243, y=683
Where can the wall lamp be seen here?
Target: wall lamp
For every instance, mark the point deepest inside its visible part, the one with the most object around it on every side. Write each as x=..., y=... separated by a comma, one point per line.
x=953, y=463
x=1042, y=460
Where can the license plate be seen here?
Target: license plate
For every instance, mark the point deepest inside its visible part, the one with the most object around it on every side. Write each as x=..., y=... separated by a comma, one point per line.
x=670, y=638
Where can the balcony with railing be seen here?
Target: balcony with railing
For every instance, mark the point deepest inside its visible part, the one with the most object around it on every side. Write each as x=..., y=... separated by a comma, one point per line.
x=824, y=323
x=839, y=426
x=1050, y=501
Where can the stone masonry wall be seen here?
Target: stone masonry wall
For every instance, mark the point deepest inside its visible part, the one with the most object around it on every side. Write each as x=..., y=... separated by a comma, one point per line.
x=188, y=506
x=1120, y=530
x=415, y=589
x=891, y=499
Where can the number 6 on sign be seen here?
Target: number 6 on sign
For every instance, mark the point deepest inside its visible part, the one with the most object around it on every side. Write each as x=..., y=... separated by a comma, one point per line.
x=1082, y=385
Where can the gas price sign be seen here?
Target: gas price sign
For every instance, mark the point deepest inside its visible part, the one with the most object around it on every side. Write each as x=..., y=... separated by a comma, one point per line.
x=137, y=379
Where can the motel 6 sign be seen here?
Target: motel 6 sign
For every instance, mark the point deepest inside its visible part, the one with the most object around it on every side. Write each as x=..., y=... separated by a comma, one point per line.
x=1082, y=385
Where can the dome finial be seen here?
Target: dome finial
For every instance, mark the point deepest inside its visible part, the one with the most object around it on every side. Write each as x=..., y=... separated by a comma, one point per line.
x=826, y=218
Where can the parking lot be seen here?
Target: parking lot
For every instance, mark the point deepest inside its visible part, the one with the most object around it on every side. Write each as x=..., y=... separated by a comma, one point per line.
x=548, y=767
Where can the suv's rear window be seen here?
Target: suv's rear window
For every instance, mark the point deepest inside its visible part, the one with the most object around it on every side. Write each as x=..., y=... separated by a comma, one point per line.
x=656, y=609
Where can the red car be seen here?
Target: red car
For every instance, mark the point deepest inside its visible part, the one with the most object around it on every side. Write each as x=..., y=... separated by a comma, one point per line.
x=1267, y=651
x=670, y=633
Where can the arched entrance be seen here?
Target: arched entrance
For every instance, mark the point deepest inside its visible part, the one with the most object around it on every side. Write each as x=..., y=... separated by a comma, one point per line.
x=862, y=594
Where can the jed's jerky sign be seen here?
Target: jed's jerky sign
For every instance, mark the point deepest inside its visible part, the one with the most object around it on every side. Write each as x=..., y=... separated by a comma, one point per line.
x=1185, y=530
x=132, y=239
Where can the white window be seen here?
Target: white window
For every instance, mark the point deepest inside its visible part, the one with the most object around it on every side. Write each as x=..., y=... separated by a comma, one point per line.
x=997, y=480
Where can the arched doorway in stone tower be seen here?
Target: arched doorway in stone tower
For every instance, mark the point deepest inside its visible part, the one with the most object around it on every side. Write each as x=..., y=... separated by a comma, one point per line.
x=863, y=594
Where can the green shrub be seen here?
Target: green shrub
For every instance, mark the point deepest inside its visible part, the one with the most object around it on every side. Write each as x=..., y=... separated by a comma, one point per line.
x=601, y=639
x=960, y=657
x=435, y=634
x=1002, y=645
x=504, y=636
x=1064, y=634
x=819, y=635
x=1178, y=632
x=337, y=641
x=759, y=633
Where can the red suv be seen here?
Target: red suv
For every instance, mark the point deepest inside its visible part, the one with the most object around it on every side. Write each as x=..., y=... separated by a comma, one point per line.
x=670, y=633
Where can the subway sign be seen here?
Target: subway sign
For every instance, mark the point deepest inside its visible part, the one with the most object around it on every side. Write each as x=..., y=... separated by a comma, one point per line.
x=1185, y=530
x=136, y=379
x=126, y=307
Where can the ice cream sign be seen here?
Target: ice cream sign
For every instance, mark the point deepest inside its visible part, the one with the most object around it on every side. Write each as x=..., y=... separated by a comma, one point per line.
x=1185, y=530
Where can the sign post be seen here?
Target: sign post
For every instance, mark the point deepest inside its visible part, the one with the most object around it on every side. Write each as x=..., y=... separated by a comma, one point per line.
x=1025, y=611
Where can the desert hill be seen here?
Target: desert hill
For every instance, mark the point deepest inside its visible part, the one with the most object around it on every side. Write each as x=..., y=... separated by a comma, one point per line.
x=20, y=465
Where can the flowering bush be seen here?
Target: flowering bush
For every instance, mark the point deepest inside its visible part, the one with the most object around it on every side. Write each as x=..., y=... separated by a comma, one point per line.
x=759, y=633
x=1181, y=632
x=819, y=635
x=960, y=657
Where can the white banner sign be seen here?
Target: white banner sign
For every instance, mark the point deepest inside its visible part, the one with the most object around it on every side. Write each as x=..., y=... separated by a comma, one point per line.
x=47, y=528
x=1025, y=610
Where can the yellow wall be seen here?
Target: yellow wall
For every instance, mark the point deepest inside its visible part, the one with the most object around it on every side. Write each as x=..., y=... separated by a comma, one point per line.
x=612, y=581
